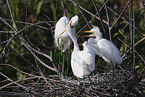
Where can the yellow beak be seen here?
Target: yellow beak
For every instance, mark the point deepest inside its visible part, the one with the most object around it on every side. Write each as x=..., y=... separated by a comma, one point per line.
x=62, y=32
x=65, y=29
x=70, y=23
x=87, y=32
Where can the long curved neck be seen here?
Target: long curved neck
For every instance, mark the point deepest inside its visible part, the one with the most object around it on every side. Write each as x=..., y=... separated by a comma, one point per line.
x=74, y=39
x=98, y=38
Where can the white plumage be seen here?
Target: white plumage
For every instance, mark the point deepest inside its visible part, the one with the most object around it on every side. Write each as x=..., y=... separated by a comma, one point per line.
x=106, y=49
x=64, y=41
x=82, y=62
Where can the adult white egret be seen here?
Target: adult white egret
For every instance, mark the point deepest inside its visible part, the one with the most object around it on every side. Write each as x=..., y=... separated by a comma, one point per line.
x=106, y=49
x=64, y=41
x=82, y=62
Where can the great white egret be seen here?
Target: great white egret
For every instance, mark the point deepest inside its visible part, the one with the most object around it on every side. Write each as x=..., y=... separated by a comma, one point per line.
x=82, y=62
x=106, y=49
x=64, y=41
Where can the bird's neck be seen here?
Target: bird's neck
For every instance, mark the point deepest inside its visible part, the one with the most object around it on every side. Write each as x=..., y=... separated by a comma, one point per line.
x=98, y=38
x=76, y=46
x=74, y=39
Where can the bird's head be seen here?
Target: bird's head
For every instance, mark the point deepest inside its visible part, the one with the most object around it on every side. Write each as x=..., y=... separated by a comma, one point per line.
x=95, y=32
x=73, y=22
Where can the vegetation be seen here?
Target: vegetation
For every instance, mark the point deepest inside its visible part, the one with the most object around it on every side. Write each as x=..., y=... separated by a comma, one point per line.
x=32, y=66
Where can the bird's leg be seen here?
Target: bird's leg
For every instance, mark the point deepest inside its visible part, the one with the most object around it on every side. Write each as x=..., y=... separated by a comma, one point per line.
x=113, y=67
x=113, y=71
x=108, y=67
x=78, y=81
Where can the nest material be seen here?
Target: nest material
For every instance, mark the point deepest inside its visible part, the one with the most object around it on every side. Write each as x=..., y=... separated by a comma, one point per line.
x=103, y=84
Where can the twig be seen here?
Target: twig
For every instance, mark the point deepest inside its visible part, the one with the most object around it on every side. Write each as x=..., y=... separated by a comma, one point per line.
x=13, y=82
x=132, y=33
x=82, y=14
x=28, y=47
x=107, y=15
x=89, y=12
x=130, y=48
x=11, y=15
x=100, y=18
x=63, y=8
x=16, y=33
x=120, y=15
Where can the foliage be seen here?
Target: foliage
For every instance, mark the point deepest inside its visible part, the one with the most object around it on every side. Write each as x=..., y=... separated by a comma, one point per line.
x=32, y=66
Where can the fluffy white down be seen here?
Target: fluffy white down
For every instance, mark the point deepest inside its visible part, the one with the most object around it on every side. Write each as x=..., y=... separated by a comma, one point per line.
x=106, y=49
x=79, y=67
x=83, y=62
x=109, y=51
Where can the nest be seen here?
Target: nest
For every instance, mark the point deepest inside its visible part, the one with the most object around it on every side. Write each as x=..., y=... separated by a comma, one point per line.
x=123, y=84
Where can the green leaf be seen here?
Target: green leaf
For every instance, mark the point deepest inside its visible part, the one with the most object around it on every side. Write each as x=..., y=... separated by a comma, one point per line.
x=39, y=7
x=124, y=22
x=116, y=34
x=123, y=48
x=20, y=76
x=121, y=31
x=139, y=67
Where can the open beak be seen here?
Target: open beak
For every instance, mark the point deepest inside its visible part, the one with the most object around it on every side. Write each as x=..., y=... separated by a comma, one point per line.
x=85, y=36
x=87, y=32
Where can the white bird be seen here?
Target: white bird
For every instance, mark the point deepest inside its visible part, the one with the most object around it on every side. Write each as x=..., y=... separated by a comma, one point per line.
x=106, y=49
x=64, y=41
x=82, y=62
x=88, y=55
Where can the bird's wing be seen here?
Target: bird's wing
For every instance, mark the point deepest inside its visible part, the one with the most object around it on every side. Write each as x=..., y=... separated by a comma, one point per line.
x=65, y=44
x=61, y=25
x=87, y=56
x=79, y=67
x=93, y=50
x=56, y=42
x=109, y=51
x=62, y=42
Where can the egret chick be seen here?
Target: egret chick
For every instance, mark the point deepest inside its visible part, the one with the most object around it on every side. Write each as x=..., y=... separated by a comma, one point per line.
x=106, y=49
x=82, y=62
